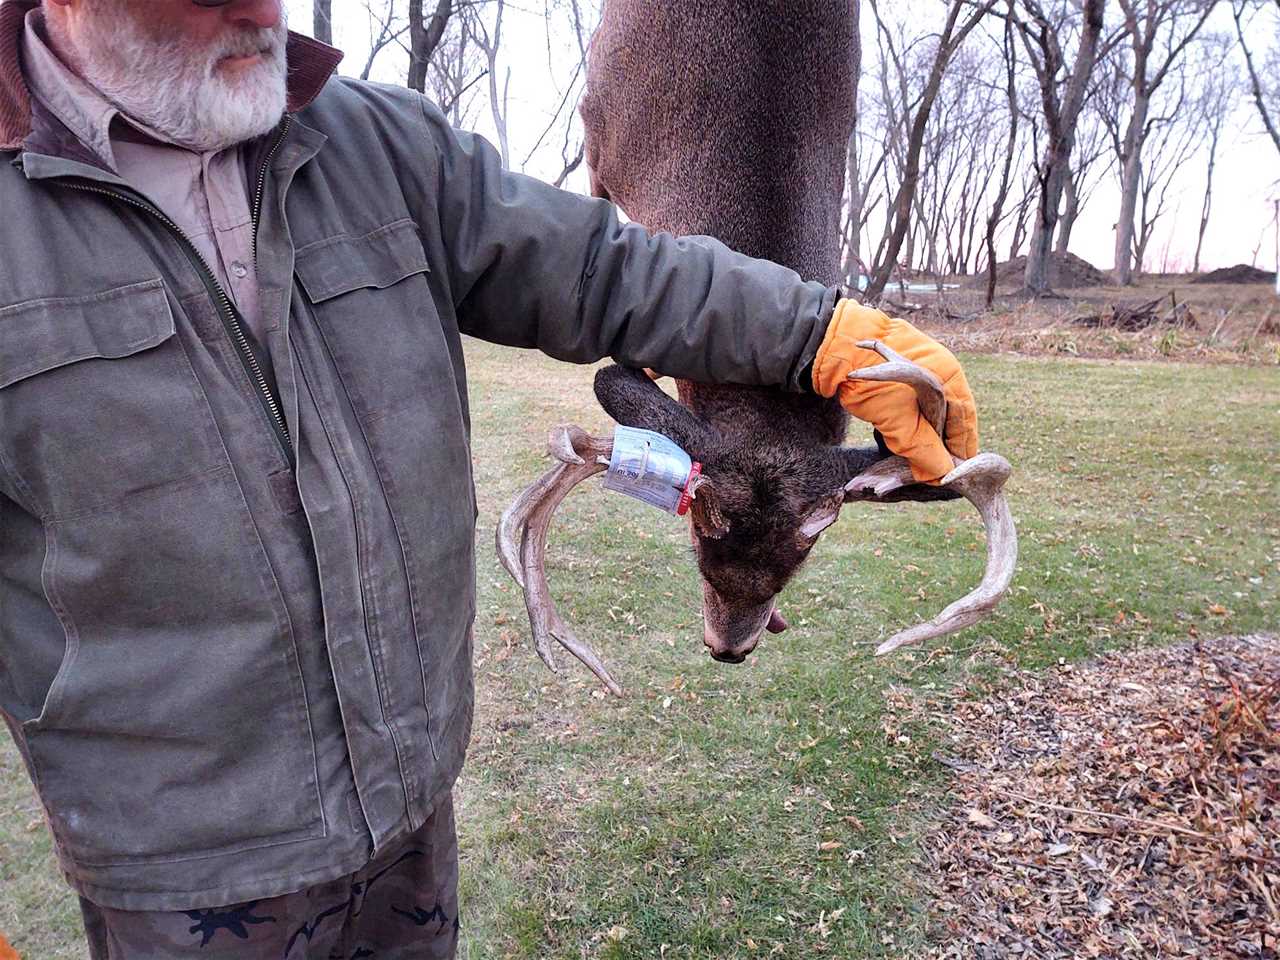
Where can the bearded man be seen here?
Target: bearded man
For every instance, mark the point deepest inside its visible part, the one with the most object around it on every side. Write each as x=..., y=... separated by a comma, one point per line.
x=236, y=505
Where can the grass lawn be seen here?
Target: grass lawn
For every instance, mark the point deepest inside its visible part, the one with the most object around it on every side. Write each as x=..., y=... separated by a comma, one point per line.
x=769, y=809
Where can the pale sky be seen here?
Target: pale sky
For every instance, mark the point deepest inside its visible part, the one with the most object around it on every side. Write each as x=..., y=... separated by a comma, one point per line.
x=1246, y=182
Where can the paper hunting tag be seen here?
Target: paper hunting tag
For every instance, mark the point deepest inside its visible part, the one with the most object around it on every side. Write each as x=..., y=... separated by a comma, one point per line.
x=651, y=468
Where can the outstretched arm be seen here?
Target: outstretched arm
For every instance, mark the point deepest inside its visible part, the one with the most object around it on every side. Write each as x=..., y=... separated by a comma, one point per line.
x=533, y=266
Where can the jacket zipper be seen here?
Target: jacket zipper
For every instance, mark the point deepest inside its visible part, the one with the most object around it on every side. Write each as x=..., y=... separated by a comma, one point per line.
x=255, y=213
x=260, y=188
x=226, y=310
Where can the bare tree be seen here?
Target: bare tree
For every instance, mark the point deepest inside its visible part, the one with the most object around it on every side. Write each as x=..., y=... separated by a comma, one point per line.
x=1222, y=79
x=1090, y=163
x=854, y=196
x=488, y=38
x=453, y=76
x=322, y=20
x=385, y=28
x=581, y=16
x=1062, y=95
x=1010, y=58
x=962, y=154
x=1030, y=191
x=1172, y=24
x=1264, y=97
x=952, y=36
x=571, y=157
x=424, y=36
x=1175, y=139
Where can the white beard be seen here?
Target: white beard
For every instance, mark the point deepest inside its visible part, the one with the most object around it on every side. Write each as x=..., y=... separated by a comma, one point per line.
x=178, y=91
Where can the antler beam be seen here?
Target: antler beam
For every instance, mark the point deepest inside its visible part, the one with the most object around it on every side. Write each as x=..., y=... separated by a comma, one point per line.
x=980, y=480
x=522, y=542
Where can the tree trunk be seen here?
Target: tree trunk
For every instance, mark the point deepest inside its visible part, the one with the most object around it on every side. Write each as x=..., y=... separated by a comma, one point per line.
x=322, y=20
x=1061, y=137
x=1255, y=84
x=498, y=101
x=1130, y=173
x=1043, y=225
x=1002, y=194
x=1070, y=211
x=948, y=42
x=1215, y=131
x=424, y=37
x=852, y=261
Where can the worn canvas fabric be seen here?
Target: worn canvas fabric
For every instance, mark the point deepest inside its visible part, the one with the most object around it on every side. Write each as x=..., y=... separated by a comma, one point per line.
x=235, y=640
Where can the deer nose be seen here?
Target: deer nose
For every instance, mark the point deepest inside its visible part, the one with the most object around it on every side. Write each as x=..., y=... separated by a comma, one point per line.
x=731, y=642
x=729, y=649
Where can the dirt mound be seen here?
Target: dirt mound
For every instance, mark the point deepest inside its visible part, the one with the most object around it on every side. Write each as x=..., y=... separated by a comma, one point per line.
x=1240, y=273
x=1066, y=271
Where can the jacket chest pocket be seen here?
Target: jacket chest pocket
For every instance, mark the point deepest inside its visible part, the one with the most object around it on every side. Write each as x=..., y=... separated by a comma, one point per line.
x=373, y=306
x=371, y=298
x=98, y=399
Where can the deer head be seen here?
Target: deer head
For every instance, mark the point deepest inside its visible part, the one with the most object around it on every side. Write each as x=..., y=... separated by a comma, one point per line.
x=749, y=146
x=757, y=513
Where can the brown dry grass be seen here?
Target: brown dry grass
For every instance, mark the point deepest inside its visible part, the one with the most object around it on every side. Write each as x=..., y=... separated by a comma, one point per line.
x=1220, y=323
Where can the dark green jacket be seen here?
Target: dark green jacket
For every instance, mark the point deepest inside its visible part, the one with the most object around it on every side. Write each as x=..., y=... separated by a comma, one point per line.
x=238, y=661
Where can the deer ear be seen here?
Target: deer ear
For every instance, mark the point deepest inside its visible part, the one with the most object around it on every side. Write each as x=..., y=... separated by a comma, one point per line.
x=822, y=515
x=705, y=512
x=634, y=400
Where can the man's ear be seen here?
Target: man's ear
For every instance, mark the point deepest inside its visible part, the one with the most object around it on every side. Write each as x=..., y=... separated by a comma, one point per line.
x=632, y=399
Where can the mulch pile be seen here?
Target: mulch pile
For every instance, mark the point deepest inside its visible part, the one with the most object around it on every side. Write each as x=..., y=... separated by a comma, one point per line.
x=1126, y=808
x=1066, y=271
x=1240, y=273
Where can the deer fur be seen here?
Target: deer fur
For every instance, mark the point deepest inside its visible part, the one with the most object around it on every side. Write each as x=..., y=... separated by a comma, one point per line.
x=732, y=119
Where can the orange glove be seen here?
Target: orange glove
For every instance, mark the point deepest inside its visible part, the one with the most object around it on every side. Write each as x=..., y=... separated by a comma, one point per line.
x=891, y=407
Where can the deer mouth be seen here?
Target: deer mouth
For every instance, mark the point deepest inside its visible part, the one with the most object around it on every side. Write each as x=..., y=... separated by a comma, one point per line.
x=731, y=634
x=775, y=624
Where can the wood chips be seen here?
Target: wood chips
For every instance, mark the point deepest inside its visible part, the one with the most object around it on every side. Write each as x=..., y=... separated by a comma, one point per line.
x=1129, y=807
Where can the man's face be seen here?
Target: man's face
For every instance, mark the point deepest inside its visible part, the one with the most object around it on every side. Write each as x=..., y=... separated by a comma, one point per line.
x=204, y=77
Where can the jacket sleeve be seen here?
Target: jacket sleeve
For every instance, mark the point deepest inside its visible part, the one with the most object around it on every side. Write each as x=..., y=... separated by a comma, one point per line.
x=534, y=266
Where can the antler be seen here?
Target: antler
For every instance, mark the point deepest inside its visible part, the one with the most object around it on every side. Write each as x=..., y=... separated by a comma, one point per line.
x=929, y=396
x=522, y=531
x=980, y=480
x=522, y=541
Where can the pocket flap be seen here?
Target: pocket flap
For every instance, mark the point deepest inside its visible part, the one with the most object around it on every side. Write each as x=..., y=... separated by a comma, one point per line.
x=344, y=263
x=39, y=335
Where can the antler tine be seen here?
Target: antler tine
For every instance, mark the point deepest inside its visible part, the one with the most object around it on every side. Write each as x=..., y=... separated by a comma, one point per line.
x=897, y=368
x=510, y=533
x=979, y=480
x=522, y=542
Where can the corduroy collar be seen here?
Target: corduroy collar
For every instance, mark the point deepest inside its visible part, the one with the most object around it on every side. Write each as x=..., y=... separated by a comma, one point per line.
x=311, y=63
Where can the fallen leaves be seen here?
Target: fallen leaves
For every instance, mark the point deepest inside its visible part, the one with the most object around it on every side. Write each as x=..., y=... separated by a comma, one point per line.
x=1128, y=808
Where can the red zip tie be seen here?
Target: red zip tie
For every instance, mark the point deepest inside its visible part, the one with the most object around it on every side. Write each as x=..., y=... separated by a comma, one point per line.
x=686, y=496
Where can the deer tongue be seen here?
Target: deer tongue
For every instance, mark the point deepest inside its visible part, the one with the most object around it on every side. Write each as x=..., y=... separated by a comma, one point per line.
x=777, y=623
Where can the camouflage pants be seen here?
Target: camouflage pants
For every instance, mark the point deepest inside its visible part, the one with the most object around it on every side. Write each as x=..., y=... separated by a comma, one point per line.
x=402, y=906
